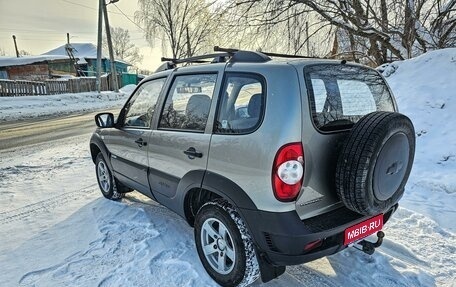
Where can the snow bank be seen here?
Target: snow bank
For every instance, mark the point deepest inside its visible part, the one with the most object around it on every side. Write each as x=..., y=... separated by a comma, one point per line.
x=15, y=108
x=425, y=89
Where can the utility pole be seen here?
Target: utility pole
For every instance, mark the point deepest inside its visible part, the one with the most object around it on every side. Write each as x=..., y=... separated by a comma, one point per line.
x=15, y=46
x=100, y=31
x=111, y=51
x=68, y=38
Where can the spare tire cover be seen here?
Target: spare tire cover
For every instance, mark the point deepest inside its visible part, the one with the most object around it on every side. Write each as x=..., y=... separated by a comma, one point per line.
x=375, y=162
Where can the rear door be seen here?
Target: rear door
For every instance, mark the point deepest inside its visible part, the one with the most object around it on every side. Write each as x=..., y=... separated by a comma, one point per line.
x=180, y=143
x=128, y=143
x=336, y=96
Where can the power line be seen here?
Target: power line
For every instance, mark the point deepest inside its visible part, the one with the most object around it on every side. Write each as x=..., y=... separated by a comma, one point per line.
x=25, y=31
x=79, y=4
x=37, y=40
x=136, y=24
x=88, y=7
x=126, y=16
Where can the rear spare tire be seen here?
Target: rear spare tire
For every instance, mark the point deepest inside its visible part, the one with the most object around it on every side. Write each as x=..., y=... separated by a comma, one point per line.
x=375, y=162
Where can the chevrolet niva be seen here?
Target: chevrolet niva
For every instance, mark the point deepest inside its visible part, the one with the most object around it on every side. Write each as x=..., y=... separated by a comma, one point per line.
x=273, y=162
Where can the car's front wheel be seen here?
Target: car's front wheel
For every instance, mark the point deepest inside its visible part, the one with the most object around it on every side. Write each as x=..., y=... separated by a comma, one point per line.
x=109, y=186
x=224, y=245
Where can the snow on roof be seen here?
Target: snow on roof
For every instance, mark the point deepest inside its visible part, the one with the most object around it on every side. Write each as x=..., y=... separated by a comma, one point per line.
x=81, y=50
x=25, y=60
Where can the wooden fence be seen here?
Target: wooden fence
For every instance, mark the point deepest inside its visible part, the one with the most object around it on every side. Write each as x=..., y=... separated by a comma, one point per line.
x=9, y=88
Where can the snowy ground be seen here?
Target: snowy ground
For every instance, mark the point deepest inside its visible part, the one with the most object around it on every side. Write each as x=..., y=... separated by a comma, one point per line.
x=26, y=107
x=57, y=230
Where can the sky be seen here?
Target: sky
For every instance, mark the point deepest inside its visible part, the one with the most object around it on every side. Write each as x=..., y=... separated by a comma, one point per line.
x=41, y=25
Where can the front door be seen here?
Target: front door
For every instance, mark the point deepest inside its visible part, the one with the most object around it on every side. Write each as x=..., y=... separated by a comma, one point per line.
x=180, y=143
x=129, y=141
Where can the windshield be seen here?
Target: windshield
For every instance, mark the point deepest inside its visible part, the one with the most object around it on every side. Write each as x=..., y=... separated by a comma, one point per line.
x=340, y=95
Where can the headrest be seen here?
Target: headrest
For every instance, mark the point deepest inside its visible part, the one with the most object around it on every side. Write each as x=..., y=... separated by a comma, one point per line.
x=254, y=107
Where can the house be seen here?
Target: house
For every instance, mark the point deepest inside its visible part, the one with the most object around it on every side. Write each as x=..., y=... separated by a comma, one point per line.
x=35, y=68
x=87, y=55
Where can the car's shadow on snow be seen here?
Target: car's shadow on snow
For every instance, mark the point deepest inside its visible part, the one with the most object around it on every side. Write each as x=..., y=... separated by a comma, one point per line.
x=137, y=242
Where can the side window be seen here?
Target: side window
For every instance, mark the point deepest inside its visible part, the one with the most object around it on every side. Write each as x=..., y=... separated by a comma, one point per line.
x=140, y=109
x=241, y=105
x=188, y=102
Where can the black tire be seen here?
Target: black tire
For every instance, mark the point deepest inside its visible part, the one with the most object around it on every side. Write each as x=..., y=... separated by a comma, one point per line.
x=375, y=162
x=115, y=189
x=245, y=268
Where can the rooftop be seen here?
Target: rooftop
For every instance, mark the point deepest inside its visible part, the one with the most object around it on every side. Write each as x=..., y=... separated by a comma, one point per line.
x=25, y=60
x=81, y=50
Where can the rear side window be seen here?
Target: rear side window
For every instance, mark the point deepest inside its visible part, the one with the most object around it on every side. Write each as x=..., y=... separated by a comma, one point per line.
x=241, y=105
x=340, y=95
x=188, y=103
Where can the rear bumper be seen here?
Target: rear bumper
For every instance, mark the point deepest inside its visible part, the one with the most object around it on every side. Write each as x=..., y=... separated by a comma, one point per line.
x=281, y=237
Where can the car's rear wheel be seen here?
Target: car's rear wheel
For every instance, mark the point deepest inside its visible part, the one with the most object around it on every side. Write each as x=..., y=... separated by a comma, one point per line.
x=110, y=187
x=224, y=245
x=375, y=162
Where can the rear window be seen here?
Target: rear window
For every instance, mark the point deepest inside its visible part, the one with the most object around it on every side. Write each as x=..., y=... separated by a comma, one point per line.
x=340, y=95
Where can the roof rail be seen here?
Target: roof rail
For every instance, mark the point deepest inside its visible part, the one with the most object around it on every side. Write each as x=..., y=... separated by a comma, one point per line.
x=197, y=59
x=242, y=56
x=165, y=66
x=233, y=55
x=172, y=62
x=270, y=54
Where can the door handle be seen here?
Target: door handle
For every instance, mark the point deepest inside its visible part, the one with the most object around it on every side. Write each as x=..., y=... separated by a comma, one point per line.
x=140, y=142
x=192, y=153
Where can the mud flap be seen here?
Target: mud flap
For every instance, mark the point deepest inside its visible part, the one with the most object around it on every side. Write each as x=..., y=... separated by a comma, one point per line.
x=267, y=270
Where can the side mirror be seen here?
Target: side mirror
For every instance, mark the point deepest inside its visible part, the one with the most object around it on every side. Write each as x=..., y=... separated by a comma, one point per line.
x=104, y=120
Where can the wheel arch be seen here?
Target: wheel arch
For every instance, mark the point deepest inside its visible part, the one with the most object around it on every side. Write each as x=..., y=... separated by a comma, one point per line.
x=212, y=186
x=97, y=146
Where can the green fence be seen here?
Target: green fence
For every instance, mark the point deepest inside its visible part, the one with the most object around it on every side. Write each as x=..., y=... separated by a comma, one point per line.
x=128, y=79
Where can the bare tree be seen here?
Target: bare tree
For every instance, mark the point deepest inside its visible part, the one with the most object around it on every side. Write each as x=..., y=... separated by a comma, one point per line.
x=184, y=26
x=123, y=48
x=443, y=26
x=376, y=29
x=24, y=53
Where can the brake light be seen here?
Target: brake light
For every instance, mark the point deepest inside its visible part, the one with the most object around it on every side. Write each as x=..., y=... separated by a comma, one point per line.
x=288, y=171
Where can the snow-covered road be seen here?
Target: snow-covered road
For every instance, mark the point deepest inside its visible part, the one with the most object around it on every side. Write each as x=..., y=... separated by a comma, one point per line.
x=32, y=131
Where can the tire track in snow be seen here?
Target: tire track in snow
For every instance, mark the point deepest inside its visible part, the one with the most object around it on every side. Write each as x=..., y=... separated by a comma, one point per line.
x=44, y=205
x=131, y=251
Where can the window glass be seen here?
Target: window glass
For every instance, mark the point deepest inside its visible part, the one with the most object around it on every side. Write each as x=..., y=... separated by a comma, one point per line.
x=340, y=95
x=319, y=94
x=188, y=102
x=241, y=105
x=356, y=97
x=140, y=109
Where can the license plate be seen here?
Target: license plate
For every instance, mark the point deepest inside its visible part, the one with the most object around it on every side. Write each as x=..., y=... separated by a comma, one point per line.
x=363, y=229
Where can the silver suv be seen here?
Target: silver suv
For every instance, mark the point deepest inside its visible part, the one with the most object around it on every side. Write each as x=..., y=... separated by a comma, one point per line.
x=273, y=162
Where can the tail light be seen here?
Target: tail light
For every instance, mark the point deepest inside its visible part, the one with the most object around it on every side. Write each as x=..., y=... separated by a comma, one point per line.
x=288, y=171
